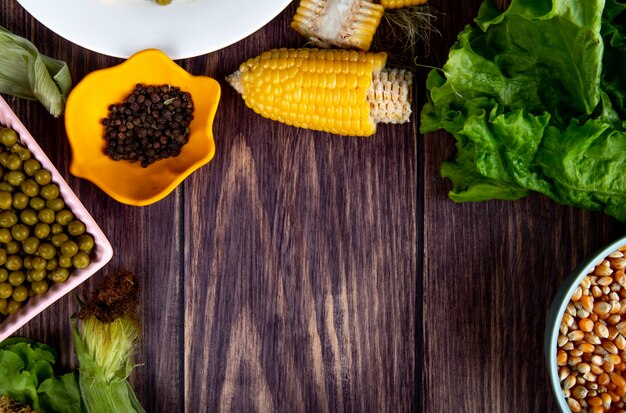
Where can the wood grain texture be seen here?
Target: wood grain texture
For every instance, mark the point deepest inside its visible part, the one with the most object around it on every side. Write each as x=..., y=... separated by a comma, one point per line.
x=301, y=263
x=490, y=272
x=280, y=277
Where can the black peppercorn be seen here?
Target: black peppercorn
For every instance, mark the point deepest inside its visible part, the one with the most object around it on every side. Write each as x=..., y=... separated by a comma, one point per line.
x=150, y=124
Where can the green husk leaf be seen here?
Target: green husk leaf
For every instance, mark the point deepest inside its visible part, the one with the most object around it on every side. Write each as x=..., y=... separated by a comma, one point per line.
x=26, y=73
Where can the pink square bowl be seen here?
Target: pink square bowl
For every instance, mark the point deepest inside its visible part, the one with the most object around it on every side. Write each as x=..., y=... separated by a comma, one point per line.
x=102, y=251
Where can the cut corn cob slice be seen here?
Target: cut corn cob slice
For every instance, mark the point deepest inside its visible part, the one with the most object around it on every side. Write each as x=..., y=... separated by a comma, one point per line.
x=340, y=23
x=337, y=91
x=396, y=4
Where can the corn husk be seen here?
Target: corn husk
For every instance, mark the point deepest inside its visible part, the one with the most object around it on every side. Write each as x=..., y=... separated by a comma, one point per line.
x=26, y=73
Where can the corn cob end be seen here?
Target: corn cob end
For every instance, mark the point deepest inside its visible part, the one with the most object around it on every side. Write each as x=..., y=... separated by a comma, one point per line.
x=390, y=96
x=235, y=81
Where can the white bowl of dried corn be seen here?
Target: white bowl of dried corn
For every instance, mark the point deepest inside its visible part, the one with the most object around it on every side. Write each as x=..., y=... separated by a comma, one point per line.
x=585, y=341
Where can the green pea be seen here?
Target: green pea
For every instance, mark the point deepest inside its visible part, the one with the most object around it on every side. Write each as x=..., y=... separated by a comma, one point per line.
x=85, y=243
x=40, y=286
x=37, y=275
x=20, y=294
x=4, y=275
x=58, y=239
x=39, y=263
x=6, y=200
x=30, y=245
x=16, y=278
x=31, y=166
x=27, y=263
x=64, y=262
x=51, y=264
x=21, y=151
x=50, y=191
x=76, y=228
x=5, y=290
x=14, y=262
x=20, y=201
x=59, y=275
x=30, y=187
x=14, y=162
x=4, y=157
x=20, y=232
x=15, y=178
x=7, y=219
x=56, y=229
x=37, y=203
x=55, y=204
x=69, y=248
x=64, y=217
x=3, y=256
x=46, y=251
x=43, y=177
x=42, y=230
x=7, y=187
x=81, y=260
x=8, y=137
x=46, y=215
x=13, y=307
x=12, y=247
x=3, y=305
x=29, y=217
x=5, y=236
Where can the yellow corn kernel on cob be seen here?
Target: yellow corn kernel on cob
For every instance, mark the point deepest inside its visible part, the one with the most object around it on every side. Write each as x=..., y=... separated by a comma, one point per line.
x=396, y=4
x=338, y=91
x=340, y=23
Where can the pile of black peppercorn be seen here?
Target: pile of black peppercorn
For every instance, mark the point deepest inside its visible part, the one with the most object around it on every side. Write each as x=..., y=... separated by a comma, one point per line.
x=151, y=123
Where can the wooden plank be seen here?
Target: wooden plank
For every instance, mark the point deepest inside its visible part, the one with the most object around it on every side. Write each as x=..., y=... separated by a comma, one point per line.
x=145, y=240
x=490, y=272
x=300, y=262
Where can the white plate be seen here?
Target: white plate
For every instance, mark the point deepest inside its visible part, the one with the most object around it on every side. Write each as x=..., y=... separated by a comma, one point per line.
x=185, y=28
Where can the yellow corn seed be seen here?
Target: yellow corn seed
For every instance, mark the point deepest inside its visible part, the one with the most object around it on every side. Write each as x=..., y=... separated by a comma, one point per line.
x=573, y=405
x=576, y=335
x=596, y=409
x=337, y=91
x=620, y=342
x=606, y=400
x=587, y=302
x=597, y=370
x=585, y=325
x=564, y=371
x=609, y=346
x=612, y=333
x=578, y=292
x=603, y=379
x=342, y=23
x=586, y=347
x=618, y=380
x=595, y=401
x=592, y=338
x=602, y=308
x=603, y=270
x=569, y=382
x=583, y=368
x=396, y=4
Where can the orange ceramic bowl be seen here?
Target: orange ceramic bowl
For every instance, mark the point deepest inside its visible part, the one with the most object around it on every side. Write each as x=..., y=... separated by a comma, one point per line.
x=88, y=104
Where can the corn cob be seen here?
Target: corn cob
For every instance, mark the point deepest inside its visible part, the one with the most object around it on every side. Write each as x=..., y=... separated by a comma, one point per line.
x=396, y=4
x=340, y=23
x=337, y=91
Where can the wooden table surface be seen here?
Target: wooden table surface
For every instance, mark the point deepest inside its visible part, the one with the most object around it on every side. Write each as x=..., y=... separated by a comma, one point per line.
x=302, y=272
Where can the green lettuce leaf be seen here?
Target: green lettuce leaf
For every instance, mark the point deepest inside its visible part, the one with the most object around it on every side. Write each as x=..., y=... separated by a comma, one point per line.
x=26, y=73
x=535, y=98
x=28, y=377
